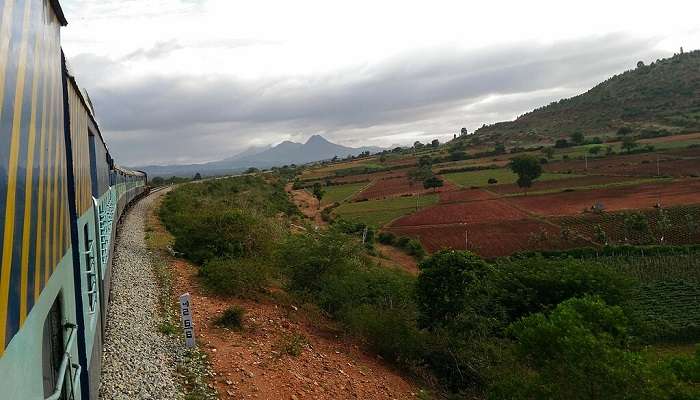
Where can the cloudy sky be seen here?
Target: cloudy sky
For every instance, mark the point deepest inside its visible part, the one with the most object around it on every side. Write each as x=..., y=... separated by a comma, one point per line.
x=181, y=81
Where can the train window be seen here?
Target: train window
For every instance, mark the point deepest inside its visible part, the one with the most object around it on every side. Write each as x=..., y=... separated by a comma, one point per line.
x=52, y=348
x=89, y=265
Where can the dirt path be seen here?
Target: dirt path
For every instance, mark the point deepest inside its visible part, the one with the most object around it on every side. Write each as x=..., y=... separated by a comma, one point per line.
x=398, y=258
x=307, y=204
x=284, y=351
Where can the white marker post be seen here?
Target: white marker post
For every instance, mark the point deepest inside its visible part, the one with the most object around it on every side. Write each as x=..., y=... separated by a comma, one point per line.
x=186, y=317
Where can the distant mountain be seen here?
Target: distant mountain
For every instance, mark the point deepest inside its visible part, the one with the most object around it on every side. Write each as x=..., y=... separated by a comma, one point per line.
x=662, y=95
x=317, y=148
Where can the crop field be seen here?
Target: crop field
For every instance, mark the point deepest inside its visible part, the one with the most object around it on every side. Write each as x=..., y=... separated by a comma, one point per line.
x=674, y=225
x=460, y=213
x=502, y=175
x=397, y=186
x=491, y=239
x=366, y=177
x=339, y=193
x=578, y=182
x=465, y=195
x=633, y=165
x=380, y=212
x=613, y=199
x=672, y=307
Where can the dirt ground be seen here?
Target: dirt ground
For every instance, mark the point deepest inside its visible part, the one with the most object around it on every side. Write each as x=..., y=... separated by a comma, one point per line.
x=255, y=362
x=307, y=204
x=284, y=351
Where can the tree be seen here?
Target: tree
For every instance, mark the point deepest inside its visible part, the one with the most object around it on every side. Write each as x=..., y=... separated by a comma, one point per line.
x=197, y=177
x=445, y=284
x=595, y=150
x=157, y=181
x=425, y=161
x=548, y=152
x=382, y=158
x=417, y=145
x=456, y=155
x=500, y=148
x=561, y=144
x=580, y=351
x=629, y=144
x=318, y=193
x=624, y=130
x=435, y=143
x=577, y=138
x=433, y=182
x=528, y=169
x=463, y=132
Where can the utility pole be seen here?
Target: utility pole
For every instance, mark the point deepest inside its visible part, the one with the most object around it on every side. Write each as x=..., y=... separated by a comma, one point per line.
x=466, y=239
x=417, y=200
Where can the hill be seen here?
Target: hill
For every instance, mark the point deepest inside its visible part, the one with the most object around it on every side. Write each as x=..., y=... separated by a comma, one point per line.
x=664, y=95
x=317, y=148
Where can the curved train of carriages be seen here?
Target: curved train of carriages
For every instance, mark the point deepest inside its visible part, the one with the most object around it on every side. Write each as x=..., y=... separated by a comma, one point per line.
x=61, y=194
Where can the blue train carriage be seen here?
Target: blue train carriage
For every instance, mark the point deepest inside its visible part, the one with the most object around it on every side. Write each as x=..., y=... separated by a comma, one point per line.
x=60, y=196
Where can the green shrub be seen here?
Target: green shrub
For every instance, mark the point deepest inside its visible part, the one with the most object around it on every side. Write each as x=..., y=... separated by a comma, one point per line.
x=232, y=318
x=581, y=351
x=292, y=344
x=450, y=281
x=235, y=277
x=387, y=238
x=402, y=241
x=392, y=332
x=414, y=248
x=538, y=285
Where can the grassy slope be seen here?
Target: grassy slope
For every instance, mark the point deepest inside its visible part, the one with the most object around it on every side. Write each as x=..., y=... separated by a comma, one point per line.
x=663, y=94
x=341, y=192
x=503, y=175
x=380, y=212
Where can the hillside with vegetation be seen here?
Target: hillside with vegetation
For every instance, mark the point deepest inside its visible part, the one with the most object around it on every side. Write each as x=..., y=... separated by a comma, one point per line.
x=661, y=96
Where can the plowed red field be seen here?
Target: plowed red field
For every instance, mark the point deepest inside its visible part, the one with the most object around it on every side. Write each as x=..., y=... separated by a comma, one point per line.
x=493, y=239
x=367, y=177
x=613, y=199
x=464, y=195
x=474, y=212
x=632, y=165
x=555, y=184
x=399, y=185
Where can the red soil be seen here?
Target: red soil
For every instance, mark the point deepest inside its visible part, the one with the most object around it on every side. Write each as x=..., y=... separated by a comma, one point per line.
x=565, y=183
x=393, y=186
x=491, y=239
x=613, y=199
x=631, y=165
x=495, y=210
x=367, y=177
x=465, y=195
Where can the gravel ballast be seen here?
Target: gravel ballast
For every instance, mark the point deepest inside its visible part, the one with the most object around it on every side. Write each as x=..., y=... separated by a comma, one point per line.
x=139, y=362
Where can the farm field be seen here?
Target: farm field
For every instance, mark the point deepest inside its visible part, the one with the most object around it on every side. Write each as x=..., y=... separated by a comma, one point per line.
x=380, y=212
x=631, y=165
x=397, y=186
x=503, y=175
x=578, y=182
x=465, y=195
x=461, y=213
x=613, y=199
x=340, y=193
x=676, y=225
x=491, y=239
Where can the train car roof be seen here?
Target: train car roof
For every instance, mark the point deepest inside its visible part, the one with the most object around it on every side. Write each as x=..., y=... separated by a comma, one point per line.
x=59, y=12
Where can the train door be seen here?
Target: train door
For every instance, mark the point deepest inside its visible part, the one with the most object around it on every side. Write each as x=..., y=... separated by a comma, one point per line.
x=52, y=349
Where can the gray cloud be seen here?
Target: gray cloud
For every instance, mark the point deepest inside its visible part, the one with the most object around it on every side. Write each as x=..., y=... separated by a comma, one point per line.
x=433, y=93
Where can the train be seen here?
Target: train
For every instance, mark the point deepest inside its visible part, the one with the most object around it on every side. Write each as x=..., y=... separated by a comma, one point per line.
x=61, y=197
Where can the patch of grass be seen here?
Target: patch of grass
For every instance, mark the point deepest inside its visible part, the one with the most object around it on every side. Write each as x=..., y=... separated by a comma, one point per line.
x=167, y=328
x=340, y=193
x=293, y=344
x=503, y=175
x=232, y=318
x=380, y=212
